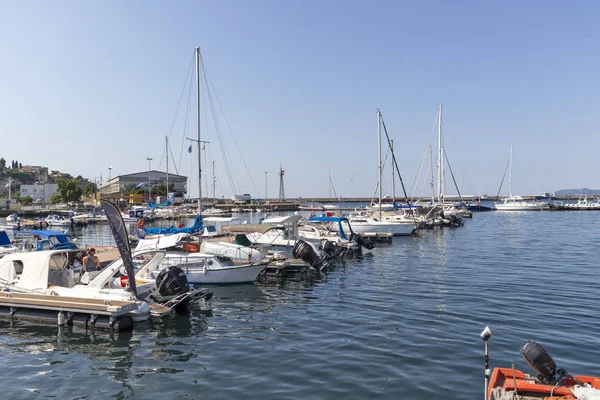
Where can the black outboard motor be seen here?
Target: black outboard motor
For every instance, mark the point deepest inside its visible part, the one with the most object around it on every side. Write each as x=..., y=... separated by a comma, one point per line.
x=539, y=359
x=332, y=249
x=366, y=243
x=306, y=252
x=172, y=282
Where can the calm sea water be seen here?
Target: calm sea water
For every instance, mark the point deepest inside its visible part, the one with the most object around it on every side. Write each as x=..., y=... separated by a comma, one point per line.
x=402, y=321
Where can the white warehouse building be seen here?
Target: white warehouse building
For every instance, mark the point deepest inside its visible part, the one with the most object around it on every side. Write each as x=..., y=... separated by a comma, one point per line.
x=120, y=184
x=39, y=191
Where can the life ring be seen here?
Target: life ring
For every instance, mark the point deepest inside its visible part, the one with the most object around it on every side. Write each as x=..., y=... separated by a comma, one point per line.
x=140, y=223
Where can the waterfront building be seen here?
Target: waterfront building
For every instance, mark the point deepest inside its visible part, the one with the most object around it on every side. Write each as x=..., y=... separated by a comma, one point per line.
x=119, y=185
x=38, y=191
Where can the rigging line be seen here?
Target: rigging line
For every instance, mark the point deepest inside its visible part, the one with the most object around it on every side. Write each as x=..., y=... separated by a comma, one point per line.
x=452, y=174
x=504, y=176
x=397, y=169
x=229, y=126
x=162, y=157
x=222, y=144
x=424, y=156
x=185, y=122
x=378, y=180
x=171, y=151
x=223, y=147
x=188, y=74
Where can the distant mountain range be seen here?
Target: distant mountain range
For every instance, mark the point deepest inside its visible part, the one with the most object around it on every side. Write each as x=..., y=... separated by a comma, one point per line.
x=575, y=192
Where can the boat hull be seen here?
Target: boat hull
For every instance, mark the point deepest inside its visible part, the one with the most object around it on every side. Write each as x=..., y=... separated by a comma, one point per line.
x=395, y=229
x=232, y=274
x=517, y=207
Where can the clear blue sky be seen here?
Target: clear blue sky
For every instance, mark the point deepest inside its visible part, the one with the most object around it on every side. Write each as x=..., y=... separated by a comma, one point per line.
x=88, y=85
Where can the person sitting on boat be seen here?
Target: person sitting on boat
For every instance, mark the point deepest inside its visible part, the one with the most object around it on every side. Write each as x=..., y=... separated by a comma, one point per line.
x=91, y=262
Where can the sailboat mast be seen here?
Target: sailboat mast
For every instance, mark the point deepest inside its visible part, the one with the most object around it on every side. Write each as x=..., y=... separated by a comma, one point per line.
x=329, y=184
x=198, y=132
x=393, y=180
x=167, y=153
x=439, y=158
x=214, y=183
x=431, y=172
x=510, y=176
x=379, y=157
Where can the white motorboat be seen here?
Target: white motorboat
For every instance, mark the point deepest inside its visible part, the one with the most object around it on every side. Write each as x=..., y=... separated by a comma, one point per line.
x=364, y=224
x=203, y=268
x=216, y=263
x=58, y=273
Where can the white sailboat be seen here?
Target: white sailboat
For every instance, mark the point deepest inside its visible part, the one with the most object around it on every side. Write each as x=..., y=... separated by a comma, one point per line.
x=516, y=203
x=376, y=223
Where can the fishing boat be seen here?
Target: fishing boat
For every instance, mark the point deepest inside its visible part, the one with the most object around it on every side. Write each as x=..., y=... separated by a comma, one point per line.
x=517, y=203
x=550, y=382
x=583, y=204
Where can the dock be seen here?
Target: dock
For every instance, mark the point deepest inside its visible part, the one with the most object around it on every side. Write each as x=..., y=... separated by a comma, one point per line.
x=63, y=310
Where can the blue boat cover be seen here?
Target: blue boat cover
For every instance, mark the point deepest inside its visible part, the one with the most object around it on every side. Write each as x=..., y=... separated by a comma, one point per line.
x=4, y=239
x=198, y=226
x=339, y=221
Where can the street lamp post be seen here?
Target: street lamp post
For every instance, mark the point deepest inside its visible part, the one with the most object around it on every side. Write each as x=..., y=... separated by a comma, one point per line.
x=266, y=172
x=149, y=182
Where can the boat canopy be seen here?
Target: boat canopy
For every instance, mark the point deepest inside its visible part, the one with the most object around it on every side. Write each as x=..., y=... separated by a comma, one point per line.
x=52, y=240
x=198, y=226
x=37, y=267
x=4, y=239
x=282, y=220
x=249, y=228
x=337, y=220
x=160, y=242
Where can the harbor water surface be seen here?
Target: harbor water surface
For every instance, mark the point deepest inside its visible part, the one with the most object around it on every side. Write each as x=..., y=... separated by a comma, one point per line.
x=399, y=322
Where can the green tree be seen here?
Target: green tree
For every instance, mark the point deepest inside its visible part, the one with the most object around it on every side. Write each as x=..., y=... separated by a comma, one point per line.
x=161, y=190
x=27, y=200
x=89, y=188
x=69, y=190
x=55, y=199
x=2, y=164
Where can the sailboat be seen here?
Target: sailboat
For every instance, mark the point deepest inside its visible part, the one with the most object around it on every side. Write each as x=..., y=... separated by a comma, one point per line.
x=332, y=206
x=516, y=203
x=377, y=222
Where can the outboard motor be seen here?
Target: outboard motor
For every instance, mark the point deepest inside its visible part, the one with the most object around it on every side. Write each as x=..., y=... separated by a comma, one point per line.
x=172, y=282
x=306, y=252
x=539, y=359
x=332, y=249
x=544, y=365
x=367, y=244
